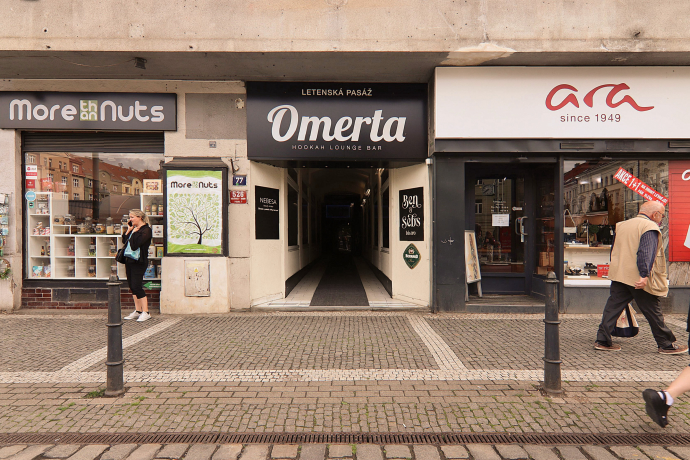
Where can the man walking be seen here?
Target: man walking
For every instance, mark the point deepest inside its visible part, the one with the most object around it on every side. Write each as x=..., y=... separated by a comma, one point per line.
x=638, y=272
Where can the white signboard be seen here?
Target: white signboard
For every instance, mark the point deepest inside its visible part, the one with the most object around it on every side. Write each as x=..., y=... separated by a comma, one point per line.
x=500, y=220
x=562, y=102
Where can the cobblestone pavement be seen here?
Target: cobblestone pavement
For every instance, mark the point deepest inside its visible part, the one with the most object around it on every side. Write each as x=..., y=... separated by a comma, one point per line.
x=339, y=451
x=328, y=372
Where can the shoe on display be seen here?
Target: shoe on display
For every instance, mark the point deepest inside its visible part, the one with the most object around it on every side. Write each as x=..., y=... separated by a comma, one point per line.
x=602, y=347
x=673, y=349
x=134, y=315
x=656, y=407
x=143, y=317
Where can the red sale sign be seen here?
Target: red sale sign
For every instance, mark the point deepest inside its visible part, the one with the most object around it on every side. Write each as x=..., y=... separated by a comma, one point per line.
x=639, y=187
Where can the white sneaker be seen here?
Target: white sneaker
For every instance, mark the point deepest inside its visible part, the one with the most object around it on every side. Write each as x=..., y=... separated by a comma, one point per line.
x=134, y=315
x=143, y=317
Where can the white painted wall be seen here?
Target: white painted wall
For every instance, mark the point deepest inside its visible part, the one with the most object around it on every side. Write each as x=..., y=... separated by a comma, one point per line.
x=411, y=285
x=267, y=263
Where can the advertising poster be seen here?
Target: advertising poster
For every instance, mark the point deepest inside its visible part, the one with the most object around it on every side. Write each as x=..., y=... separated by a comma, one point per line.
x=267, y=213
x=412, y=214
x=195, y=211
x=679, y=211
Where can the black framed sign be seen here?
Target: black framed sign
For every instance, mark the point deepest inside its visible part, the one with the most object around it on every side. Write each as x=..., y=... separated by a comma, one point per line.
x=297, y=121
x=196, y=217
x=267, y=205
x=412, y=214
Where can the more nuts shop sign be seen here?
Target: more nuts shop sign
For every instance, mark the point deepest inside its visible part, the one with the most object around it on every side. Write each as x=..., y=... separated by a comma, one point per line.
x=292, y=121
x=562, y=102
x=88, y=111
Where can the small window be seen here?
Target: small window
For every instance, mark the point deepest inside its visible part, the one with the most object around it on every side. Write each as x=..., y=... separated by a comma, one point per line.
x=31, y=159
x=65, y=196
x=76, y=196
x=75, y=169
x=478, y=207
x=114, y=188
x=90, y=196
x=90, y=183
x=64, y=180
x=75, y=183
x=51, y=177
x=50, y=162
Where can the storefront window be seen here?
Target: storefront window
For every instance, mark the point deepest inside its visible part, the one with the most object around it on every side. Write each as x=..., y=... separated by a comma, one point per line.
x=591, y=218
x=69, y=237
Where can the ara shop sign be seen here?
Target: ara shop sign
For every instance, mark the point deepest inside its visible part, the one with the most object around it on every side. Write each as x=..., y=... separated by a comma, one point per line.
x=88, y=111
x=335, y=120
x=562, y=102
x=412, y=214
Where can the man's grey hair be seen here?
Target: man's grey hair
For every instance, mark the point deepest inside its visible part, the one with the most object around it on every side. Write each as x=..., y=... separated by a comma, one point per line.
x=650, y=207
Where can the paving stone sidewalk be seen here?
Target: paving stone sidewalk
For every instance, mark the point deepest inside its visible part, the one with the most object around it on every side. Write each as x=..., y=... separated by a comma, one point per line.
x=339, y=451
x=328, y=372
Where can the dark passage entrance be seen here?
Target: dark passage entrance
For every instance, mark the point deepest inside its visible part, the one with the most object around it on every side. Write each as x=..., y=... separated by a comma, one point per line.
x=341, y=284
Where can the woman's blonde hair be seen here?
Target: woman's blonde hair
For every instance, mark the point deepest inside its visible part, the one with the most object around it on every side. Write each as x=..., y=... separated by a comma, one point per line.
x=140, y=214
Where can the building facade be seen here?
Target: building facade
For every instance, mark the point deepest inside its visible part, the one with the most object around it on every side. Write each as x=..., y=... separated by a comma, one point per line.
x=537, y=194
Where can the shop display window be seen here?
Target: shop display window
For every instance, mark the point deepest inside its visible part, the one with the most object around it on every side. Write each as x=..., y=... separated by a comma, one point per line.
x=78, y=238
x=595, y=201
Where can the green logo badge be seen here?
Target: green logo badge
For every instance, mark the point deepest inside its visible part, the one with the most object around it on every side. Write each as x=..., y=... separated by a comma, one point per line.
x=411, y=256
x=152, y=285
x=88, y=110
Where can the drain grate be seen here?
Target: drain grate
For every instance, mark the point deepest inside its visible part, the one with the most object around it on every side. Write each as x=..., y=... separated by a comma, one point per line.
x=606, y=439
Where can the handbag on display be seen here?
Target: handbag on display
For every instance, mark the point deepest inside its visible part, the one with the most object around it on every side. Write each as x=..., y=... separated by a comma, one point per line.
x=132, y=254
x=626, y=325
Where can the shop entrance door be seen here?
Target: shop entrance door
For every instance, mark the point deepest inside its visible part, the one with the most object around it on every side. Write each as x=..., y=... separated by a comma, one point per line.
x=510, y=209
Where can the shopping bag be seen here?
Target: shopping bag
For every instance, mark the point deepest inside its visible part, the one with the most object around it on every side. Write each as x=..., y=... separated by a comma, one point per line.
x=626, y=325
x=120, y=257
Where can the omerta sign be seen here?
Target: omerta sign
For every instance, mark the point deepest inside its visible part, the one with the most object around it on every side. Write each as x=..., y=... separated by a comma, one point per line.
x=88, y=111
x=335, y=120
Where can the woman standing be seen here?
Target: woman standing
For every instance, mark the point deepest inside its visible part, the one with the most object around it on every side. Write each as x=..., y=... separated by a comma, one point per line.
x=138, y=236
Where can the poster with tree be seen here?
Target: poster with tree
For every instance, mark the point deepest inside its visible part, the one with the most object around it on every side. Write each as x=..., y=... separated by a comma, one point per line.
x=195, y=211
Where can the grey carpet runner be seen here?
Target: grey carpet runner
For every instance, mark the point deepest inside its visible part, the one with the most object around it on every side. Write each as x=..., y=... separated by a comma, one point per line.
x=340, y=284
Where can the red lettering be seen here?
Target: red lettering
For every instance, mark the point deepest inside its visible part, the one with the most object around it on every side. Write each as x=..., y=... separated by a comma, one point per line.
x=615, y=89
x=569, y=99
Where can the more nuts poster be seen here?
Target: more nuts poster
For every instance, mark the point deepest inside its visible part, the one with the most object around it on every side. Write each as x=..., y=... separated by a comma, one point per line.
x=195, y=200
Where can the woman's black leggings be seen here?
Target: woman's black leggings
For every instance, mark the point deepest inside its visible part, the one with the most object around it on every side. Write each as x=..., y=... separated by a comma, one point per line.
x=135, y=279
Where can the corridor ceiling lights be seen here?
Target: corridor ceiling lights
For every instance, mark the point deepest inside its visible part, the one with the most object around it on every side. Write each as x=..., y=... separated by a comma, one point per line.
x=367, y=192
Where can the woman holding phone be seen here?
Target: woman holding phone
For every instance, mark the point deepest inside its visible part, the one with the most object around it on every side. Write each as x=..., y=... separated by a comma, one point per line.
x=138, y=236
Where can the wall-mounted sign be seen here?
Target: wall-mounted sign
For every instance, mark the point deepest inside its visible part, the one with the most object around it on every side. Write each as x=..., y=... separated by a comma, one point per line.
x=411, y=256
x=562, y=102
x=238, y=196
x=678, y=211
x=31, y=171
x=267, y=206
x=30, y=183
x=335, y=120
x=412, y=214
x=195, y=216
x=239, y=180
x=88, y=111
x=639, y=187
x=30, y=195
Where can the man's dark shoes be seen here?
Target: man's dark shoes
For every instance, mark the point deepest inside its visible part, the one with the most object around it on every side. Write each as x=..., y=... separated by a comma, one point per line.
x=656, y=407
x=673, y=349
x=604, y=347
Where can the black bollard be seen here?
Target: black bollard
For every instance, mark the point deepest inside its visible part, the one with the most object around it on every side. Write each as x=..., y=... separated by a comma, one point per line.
x=552, y=353
x=115, y=384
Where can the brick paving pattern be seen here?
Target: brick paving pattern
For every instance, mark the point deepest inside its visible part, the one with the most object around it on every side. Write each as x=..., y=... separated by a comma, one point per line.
x=283, y=342
x=519, y=344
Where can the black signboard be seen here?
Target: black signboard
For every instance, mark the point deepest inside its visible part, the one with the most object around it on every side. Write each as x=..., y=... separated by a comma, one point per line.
x=267, y=213
x=412, y=214
x=359, y=121
x=88, y=111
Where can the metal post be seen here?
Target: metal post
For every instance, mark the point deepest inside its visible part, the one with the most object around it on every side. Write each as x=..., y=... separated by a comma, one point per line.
x=552, y=353
x=115, y=385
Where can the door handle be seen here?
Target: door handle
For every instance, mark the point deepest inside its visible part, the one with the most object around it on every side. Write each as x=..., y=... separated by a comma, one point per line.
x=520, y=228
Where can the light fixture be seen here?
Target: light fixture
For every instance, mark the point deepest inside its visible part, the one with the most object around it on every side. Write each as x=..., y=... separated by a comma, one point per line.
x=368, y=191
x=522, y=158
x=140, y=63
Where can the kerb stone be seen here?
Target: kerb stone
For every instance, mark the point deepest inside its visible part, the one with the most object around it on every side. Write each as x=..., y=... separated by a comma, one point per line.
x=658, y=453
x=541, y=453
x=172, y=451
x=397, y=451
x=512, y=452
x=483, y=452
x=312, y=452
x=368, y=452
x=118, y=452
x=455, y=452
x=426, y=452
x=628, y=453
x=228, y=452
x=89, y=452
x=62, y=451
x=598, y=453
x=200, y=452
x=571, y=453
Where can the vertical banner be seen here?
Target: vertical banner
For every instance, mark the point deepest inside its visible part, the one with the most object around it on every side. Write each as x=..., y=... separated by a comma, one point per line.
x=679, y=211
x=195, y=218
x=412, y=214
x=267, y=213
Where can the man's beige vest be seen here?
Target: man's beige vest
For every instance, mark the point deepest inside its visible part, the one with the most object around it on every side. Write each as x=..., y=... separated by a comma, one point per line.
x=624, y=256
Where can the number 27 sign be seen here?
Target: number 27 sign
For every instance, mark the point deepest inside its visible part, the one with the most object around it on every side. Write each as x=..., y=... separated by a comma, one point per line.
x=238, y=196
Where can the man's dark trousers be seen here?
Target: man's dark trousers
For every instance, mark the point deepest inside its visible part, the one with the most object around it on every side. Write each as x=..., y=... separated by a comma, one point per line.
x=648, y=304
